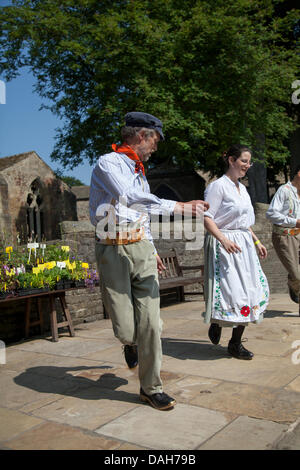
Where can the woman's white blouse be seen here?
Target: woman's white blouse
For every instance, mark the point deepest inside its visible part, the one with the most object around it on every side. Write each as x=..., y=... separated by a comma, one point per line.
x=229, y=208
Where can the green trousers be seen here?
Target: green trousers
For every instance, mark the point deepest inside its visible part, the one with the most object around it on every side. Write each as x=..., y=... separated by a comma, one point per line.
x=130, y=293
x=287, y=249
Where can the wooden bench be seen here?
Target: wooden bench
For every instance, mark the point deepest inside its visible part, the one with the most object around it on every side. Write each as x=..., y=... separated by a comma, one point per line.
x=173, y=278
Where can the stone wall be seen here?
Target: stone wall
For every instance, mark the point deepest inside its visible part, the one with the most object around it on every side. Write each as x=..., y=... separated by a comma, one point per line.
x=5, y=219
x=82, y=194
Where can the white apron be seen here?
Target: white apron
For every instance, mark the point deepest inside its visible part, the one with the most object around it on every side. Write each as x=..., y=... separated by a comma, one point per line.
x=240, y=288
x=236, y=289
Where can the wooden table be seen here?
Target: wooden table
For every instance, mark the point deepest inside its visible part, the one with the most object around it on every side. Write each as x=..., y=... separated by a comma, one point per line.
x=52, y=295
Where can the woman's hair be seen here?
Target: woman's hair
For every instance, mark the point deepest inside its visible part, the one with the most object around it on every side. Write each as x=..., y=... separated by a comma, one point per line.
x=235, y=151
x=294, y=172
x=129, y=133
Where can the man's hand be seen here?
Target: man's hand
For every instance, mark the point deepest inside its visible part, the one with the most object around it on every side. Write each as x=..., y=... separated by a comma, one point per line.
x=195, y=207
x=160, y=266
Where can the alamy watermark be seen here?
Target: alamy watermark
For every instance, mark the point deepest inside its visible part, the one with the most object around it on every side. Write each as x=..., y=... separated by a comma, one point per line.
x=2, y=92
x=2, y=353
x=296, y=354
x=296, y=94
x=178, y=226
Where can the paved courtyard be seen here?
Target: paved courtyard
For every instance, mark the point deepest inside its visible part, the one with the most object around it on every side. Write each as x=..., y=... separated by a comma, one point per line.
x=79, y=394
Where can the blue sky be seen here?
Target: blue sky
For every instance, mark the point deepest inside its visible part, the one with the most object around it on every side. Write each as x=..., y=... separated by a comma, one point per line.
x=24, y=127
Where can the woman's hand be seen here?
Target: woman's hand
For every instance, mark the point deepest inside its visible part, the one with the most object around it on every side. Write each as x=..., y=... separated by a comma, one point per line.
x=230, y=246
x=262, y=250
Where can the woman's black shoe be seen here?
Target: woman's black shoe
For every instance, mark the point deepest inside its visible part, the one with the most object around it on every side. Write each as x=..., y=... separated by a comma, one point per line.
x=214, y=333
x=160, y=401
x=238, y=351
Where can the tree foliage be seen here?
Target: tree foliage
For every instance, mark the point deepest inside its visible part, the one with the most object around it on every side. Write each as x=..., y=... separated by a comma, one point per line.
x=69, y=180
x=215, y=72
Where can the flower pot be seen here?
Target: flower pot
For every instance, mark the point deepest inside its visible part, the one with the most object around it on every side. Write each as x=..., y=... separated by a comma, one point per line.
x=44, y=289
x=28, y=291
x=68, y=284
x=5, y=294
x=22, y=292
x=59, y=285
x=80, y=283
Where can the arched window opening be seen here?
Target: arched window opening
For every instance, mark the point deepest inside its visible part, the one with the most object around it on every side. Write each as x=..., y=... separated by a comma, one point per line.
x=35, y=215
x=166, y=192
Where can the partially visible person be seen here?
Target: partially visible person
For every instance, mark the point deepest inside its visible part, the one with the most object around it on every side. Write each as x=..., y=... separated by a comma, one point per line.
x=127, y=260
x=284, y=213
x=236, y=289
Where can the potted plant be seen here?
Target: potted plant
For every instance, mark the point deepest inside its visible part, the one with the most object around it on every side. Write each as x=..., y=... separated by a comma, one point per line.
x=78, y=275
x=92, y=278
x=7, y=281
x=66, y=277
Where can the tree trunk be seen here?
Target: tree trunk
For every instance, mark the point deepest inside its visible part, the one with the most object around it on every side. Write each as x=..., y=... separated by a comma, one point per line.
x=257, y=175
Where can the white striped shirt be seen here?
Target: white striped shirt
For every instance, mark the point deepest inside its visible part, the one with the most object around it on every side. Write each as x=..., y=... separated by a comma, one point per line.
x=114, y=181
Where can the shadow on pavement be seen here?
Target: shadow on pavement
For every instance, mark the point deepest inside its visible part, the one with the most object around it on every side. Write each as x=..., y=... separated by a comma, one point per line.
x=193, y=349
x=279, y=313
x=58, y=380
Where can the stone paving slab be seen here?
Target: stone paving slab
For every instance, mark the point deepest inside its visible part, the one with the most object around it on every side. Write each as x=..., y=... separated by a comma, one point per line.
x=53, y=436
x=21, y=389
x=66, y=346
x=145, y=427
x=13, y=423
x=89, y=408
x=290, y=440
x=206, y=361
x=294, y=385
x=43, y=364
x=97, y=333
x=273, y=404
x=246, y=433
x=113, y=354
x=189, y=387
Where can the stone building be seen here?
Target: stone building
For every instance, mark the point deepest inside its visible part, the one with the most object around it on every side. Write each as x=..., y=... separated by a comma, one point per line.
x=82, y=194
x=33, y=201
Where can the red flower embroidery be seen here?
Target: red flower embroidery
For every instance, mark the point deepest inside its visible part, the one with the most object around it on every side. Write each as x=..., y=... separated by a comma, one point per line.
x=245, y=311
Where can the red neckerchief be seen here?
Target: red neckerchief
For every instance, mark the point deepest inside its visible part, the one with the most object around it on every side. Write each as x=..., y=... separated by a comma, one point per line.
x=124, y=148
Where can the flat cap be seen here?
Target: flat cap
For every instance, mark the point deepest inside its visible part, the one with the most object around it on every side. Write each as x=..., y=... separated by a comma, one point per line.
x=137, y=119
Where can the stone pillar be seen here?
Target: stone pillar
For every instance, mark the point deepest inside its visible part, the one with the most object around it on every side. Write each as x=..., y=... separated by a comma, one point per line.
x=5, y=220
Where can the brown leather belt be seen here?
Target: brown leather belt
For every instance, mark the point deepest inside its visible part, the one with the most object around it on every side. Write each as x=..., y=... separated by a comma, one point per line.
x=123, y=238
